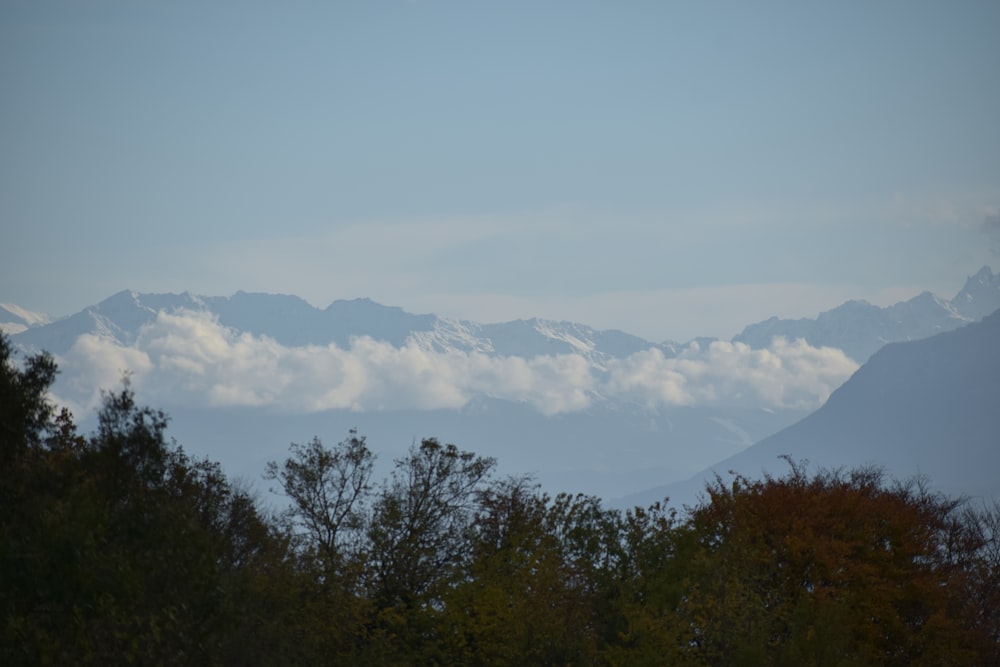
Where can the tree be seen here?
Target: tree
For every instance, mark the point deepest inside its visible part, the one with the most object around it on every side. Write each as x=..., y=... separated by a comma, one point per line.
x=519, y=601
x=651, y=579
x=418, y=540
x=421, y=521
x=26, y=416
x=329, y=490
x=825, y=570
x=119, y=547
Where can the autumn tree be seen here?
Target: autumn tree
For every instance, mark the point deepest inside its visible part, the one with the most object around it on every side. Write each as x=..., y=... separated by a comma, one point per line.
x=831, y=569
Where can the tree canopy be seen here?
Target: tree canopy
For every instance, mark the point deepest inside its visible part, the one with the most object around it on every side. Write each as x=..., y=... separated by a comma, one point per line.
x=119, y=547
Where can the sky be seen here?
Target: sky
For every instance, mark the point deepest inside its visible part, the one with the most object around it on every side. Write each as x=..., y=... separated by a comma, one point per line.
x=671, y=169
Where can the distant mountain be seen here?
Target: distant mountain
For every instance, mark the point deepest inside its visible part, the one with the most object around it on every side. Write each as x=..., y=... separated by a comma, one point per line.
x=602, y=412
x=860, y=329
x=929, y=407
x=856, y=327
x=291, y=321
x=980, y=296
x=613, y=445
x=14, y=319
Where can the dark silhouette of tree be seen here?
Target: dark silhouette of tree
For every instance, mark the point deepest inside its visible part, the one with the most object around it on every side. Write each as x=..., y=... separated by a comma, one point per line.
x=329, y=490
x=119, y=548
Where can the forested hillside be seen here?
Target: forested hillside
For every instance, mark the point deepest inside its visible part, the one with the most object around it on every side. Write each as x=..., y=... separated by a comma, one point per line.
x=118, y=548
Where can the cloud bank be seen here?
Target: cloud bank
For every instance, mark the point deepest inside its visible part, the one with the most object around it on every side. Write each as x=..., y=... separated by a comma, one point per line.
x=188, y=358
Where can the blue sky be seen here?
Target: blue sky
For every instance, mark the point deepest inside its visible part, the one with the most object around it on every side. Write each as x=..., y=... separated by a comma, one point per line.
x=668, y=168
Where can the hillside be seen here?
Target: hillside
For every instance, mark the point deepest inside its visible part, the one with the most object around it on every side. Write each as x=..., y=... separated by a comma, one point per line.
x=928, y=407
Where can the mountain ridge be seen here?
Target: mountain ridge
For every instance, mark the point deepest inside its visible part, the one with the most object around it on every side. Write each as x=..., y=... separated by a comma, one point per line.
x=585, y=409
x=925, y=407
x=860, y=328
x=857, y=327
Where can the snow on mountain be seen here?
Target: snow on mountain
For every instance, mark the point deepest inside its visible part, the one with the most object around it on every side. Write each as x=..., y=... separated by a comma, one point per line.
x=601, y=412
x=292, y=321
x=980, y=296
x=860, y=328
x=856, y=327
x=14, y=319
x=595, y=411
x=119, y=317
x=928, y=407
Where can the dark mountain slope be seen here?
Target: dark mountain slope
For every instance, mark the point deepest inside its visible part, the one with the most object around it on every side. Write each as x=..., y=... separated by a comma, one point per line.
x=929, y=407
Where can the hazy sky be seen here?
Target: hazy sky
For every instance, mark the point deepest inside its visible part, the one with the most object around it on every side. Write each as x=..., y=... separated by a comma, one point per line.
x=667, y=168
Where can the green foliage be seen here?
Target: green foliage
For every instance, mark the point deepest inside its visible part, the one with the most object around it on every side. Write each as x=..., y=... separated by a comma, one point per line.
x=419, y=527
x=523, y=599
x=120, y=548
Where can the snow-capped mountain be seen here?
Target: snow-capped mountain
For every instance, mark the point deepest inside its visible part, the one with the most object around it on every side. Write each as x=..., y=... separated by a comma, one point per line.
x=292, y=321
x=602, y=412
x=860, y=328
x=921, y=408
x=586, y=410
x=856, y=327
x=14, y=319
x=980, y=296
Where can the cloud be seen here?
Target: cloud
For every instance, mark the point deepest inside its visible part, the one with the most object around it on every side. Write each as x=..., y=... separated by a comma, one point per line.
x=95, y=363
x=786, y=375
x=188, y=358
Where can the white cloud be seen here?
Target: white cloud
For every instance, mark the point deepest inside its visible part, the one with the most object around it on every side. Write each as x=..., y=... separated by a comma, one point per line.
x=788, y=374
x=95, y=363
x=188, y=358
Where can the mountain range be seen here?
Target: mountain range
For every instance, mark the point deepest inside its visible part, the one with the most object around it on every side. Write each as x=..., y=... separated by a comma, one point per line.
x=602, y=412
x=860, y=328
x=856, y=327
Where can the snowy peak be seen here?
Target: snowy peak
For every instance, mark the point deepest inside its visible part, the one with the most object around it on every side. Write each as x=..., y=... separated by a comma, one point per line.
x=856, y=327
x=860, y=328
x=292, y=321
x=14, y=319
x=980, y=296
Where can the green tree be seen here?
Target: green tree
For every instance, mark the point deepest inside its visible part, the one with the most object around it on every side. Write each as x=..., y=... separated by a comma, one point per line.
x=518, y=601
x=119, y=548
x=329, y=493
x=421, y=522
x=418, y=542
x=651, y=586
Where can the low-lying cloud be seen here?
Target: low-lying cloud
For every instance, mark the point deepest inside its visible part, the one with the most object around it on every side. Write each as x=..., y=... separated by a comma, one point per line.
x=188, y=358
x=785, y=375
